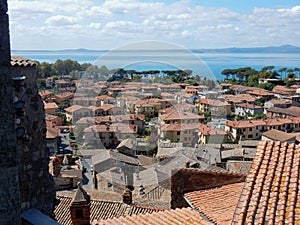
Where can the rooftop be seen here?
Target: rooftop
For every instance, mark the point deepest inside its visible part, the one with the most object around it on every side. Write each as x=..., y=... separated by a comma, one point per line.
x=278, y=135
x=218, y=204
x=271, y=191
x=171, y=217
x=21, y=61
x=100, y=209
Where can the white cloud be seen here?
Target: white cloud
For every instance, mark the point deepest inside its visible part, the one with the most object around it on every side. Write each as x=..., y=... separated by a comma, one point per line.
x=114, y=21
x=60, y=20
x=95, y=25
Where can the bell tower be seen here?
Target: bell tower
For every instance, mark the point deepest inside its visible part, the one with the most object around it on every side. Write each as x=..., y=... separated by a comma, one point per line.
x=9, y=157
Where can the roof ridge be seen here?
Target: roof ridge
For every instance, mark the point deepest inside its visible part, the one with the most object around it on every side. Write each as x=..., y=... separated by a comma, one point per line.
x=215, y=171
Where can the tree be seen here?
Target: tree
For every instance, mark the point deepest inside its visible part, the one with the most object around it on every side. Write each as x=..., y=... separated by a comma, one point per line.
x=103, y=70
x=281, y=70
x=289, y=81
x=267, y=69
x=226, y=73
x=45, y=70
x=59, y=67
x=291, y=76
x=266, y=86
x=297, y=70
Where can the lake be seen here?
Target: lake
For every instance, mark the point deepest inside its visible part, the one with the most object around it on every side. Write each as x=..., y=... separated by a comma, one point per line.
x=204, y=64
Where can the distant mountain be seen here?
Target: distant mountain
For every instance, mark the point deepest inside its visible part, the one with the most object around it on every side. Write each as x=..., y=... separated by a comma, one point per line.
x=269, y=49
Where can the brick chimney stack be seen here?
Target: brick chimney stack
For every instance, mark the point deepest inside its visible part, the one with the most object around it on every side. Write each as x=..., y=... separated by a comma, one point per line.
x=127, y=196
x=80, y=207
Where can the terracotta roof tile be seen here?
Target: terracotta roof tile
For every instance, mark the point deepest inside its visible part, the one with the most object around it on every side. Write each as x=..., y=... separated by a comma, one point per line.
x=212, y=102
x=271, y=191
x=218, y=204
x=179, y=127
x=239, y=98
x=260, y=122
x=206, y=130
x=105, y=97
x=51, y=133
x=250, y=106
x=167, y=217
x=116, y=127
x=278, y=135
x=179, y=115
x=21, y=61
x=50, y=105
x=99, y=210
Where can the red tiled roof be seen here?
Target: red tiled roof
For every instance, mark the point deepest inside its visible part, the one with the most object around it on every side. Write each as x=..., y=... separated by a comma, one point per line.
x=180, y=115
x=283, y=90
x=271, y=191
x=239, y=98
x=250, y=106
x=280, y=101
x=51, y=133
x=218, y=204
x=278, y=135
x=74, y=108
x=212, y=102
x=245, y=123
x=104, y=97
x=260, y=92
x=116, y=127
x=119, y=118
x=260, y=122
x=206, y=130
x=106, y=107
x=179, y=127
x=64, y=95
x=100, y=209
x=45, y=93
x=171, y=217
x=21, y=61
x=50, y=105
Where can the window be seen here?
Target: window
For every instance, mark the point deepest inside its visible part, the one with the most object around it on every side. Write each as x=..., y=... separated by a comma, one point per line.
x=79, y=213
x=178, y=132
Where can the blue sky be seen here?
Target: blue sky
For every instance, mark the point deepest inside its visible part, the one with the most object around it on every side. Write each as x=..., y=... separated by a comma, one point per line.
x=245, y=5
x=107, y=24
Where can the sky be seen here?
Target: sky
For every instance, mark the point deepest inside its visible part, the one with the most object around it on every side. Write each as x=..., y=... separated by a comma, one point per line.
x=192, y=24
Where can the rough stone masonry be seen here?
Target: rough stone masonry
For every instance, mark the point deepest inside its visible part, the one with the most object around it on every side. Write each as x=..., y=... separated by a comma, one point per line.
x=25, y=181
x=9, y=157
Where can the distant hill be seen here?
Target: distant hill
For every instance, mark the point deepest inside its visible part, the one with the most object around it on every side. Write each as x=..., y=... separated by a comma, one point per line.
x=269, y=49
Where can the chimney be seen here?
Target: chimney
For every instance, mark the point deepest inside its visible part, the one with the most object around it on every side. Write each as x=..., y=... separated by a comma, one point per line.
x=80, y=207
x=142, y=190
x=55, y=167
x=127, y=196
x=187, y=164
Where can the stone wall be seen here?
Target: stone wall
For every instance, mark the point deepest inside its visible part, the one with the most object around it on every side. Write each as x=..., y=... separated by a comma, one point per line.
x=36, y=184
x=9, y=158
x=187, y=180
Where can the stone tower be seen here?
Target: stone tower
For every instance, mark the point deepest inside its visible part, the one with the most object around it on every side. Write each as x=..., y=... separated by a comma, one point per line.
x=25, y=181
x=36, y=184
x=9, y=157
